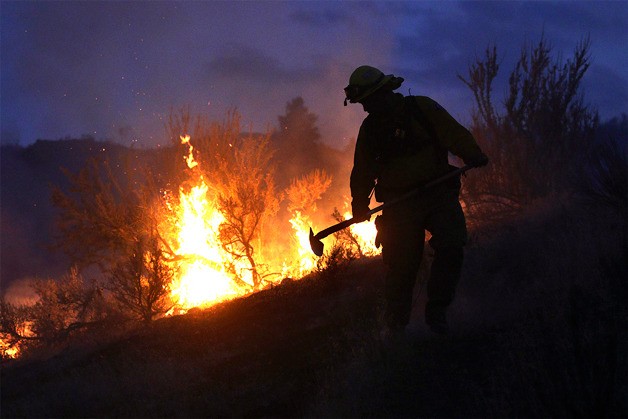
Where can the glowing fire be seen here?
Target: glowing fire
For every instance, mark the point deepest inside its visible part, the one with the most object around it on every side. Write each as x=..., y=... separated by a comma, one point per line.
x=203, y=279
x=205, y=274
x=306, y=260
x=9, y=351
x=365, y=234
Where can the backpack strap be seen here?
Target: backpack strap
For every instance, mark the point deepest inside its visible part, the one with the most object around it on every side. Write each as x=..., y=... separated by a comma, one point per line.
x=397, y=141
x=414, y=111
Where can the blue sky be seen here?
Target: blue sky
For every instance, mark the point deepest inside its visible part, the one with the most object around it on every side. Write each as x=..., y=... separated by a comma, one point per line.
x=114, y=70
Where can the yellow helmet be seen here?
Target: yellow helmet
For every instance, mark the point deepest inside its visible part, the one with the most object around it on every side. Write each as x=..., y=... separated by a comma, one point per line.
x=365, y=80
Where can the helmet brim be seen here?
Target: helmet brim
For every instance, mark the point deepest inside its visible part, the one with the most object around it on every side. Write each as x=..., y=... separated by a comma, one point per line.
x=389, y=78
x=373, y=89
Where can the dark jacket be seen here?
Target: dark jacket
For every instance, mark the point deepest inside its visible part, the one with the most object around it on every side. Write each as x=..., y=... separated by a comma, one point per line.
x=406, y=148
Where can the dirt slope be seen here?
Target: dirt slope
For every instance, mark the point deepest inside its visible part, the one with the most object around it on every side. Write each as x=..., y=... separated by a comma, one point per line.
x=261, y=355
x=539, y=329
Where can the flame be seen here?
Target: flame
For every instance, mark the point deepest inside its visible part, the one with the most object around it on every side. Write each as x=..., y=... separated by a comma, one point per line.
x=9, y=351
x=206, y=270
x=365, y=234
x=189, y=159
x=306, y=260
x=203, y=279
x=9, y=348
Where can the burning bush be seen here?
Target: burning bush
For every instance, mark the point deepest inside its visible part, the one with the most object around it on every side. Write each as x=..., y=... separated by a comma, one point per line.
x=141, y=283
x=164, y=242
x=63, y=308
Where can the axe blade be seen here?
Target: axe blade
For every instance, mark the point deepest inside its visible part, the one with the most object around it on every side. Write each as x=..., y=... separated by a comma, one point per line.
x=316, y=245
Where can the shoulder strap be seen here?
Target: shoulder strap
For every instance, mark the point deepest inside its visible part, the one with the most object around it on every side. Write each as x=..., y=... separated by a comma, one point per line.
x=416, y=112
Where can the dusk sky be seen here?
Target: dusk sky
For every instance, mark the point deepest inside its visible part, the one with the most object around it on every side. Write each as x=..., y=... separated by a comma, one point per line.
x=113, y=70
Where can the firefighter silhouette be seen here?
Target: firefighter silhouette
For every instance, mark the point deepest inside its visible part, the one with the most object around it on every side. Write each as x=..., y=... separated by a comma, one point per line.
x=402, y=144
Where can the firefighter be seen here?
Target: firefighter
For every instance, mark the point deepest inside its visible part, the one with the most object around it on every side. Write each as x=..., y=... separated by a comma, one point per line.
x=402, y=144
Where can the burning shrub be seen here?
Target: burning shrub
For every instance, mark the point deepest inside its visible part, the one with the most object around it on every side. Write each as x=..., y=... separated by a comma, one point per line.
x=335, y=261
x=64, y=308
x=304, y=191
x=302, y=195
x=14, y=329
x=141, y=283
x=239, y=191
x=358, y=238
x=217, y=238
x=247, y=197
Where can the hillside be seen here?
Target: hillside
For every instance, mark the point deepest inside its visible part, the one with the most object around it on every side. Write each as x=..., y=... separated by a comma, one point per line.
x=539, y=329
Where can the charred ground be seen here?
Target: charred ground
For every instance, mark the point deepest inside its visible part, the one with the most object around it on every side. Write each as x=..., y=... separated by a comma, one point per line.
x=539, y=329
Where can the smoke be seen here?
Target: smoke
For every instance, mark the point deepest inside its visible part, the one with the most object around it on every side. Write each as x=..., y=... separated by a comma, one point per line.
x=106, y=68
x=20, y=292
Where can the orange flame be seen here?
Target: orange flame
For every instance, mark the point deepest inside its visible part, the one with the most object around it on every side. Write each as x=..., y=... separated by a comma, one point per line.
x=9, y=351
x=365, y=234
x=306, y=260
x=189, y=159
x=14, y=350
x=203, y=279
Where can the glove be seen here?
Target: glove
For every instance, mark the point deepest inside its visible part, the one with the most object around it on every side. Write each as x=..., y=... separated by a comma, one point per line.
x=359, y=211
x=478, y=161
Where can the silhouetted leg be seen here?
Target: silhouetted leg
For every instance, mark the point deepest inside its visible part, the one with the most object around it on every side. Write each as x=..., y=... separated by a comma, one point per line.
x=402, y=252
x=447, y=224
x=444, y=275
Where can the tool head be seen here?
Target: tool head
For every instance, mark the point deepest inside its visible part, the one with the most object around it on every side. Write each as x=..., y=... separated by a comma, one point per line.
x=316, y=245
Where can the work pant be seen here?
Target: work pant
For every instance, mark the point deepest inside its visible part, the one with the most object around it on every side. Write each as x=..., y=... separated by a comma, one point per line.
x=401, y=231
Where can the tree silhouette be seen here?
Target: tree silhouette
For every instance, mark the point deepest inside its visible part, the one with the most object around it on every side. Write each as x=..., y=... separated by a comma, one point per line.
x=297, y=141
x=539, y=139
x=141, y=283
x=604, y=179
x=113, y=222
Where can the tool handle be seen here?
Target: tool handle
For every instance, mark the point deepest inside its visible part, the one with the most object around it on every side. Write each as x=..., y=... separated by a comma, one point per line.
x=337, y=227
x=417, y=191
x=346, y=223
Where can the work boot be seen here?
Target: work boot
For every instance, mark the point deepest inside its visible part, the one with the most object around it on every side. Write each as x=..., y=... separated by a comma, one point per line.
x=436, y=319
